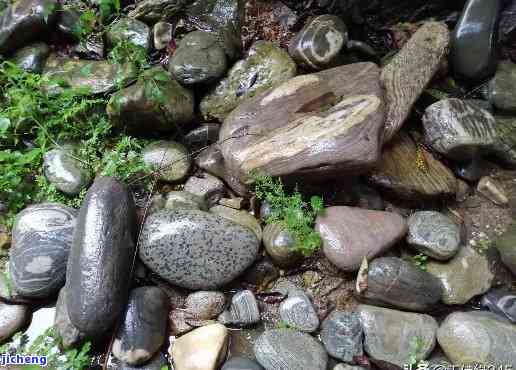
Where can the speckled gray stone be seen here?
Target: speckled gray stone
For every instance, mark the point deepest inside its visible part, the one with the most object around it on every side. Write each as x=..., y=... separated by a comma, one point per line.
x=41, y=242
x=288, y=349
x=195, y=249
x=170, y=159
x=64, y=171
x=12, y=319
x=459, y=130
x=393, y=282
x=241, y=363
x=144, y=326
x=319, y=43
x=298, y=312
x=389, y=334
x=205, y=305
x=342, y=335
x=158, y=362
x=243, y=311
x=199, y=58
x=69, y=334
x=433, y=234
x=241, y=217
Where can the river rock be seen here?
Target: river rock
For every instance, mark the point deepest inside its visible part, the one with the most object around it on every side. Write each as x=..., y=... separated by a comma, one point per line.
x=408, y=73
x=205, y=305
x=64, y=171
x=318, y=125
x=473, y=44
x=492, y=190
x=199, y=58
x=12, y=319
x=389, y=334
x=129, y=30
x=151, y=11
x=458, y=130
x=241, y=363
x=179, y=322
x=241, y=217
x=501, y=87
x=478, y=337
x=158, y=362
x=502, y=302
x=195, y=249
x=505, y=147
x=41, y=242
x=280, y=245
x=171, y=159
x=243, y=311
x=298, y=312
x=265, y=66
x=319, y=43
x=32, y=58
x=204, y=348
x=289, y=349
x=143, y=327
x=465, y=276
x=472, y=170
x=433, y=234
x=207, y=187
x=25, y=21
x=506, y=246
x=394, y=282
x=69, y=334
x=349, y=234
x=177, y=200
x=204, y=135
x=162, y=34
x=156, y=102
x=94, y=76
x=408, y=171
x=342, y=335
x=101, y=257
x=507, y=22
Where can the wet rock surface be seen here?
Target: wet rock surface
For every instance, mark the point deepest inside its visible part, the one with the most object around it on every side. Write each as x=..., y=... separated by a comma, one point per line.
x=25, y=21
x=12, y=319
x=42, y=238
x=70, y=335
x=266, y=66
x=62, y=169
x=349, y=234
x=129, y=30
x=342, y=335
x=101, y=256
x=170, y=159
x=195, y=249
x=298, y=312
x=473, y=42
x=280, y=245
x=143, y=330
x=32, y=58
x=241, y=363
x=502, y=302
x=243, y=310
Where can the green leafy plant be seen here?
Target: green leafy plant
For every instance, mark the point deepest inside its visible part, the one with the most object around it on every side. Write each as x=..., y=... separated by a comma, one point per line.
x=284, y=325
x=49, y=344
x=85, y=25
x=127, y=52
x=291, y=211
x=123, y=161
x=420, y=260
x=108, y=9
x=417, y=346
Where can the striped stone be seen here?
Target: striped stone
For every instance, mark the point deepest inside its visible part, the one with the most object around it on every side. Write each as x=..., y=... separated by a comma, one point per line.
x=459, y=130
x=408, y=73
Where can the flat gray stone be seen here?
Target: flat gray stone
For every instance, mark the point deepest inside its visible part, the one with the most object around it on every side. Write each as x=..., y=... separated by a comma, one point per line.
x=342, y=335
x=298, y=312
x=241, y=363
x=170, y=159
x=243, y=310
x=12, y=319
x=63, y=170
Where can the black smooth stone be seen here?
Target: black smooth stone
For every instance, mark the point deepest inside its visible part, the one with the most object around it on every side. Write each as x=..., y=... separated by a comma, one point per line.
x=473, y=45
x=501, y=302
x=144, y=327
x=101, y=257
